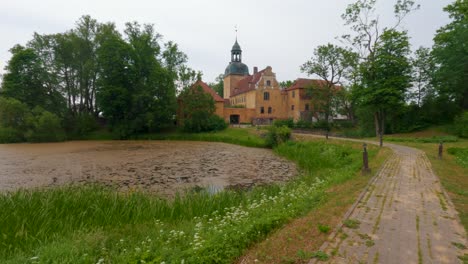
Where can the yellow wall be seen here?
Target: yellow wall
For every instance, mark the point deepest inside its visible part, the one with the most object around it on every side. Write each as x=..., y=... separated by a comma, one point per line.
x=229, y=83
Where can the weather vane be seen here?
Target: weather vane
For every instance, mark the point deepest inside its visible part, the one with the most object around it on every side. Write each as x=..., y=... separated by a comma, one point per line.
x=236, y=31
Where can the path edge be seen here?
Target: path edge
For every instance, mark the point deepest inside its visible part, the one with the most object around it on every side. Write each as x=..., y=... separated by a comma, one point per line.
x=340, y=225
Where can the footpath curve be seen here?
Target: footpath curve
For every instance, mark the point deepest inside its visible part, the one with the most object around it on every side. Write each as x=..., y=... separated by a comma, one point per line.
x=403, y=216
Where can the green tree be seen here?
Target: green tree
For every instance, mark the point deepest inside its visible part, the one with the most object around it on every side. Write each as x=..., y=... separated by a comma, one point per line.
x=450, y=53
x=286, y=84
x=386, y=78
x=218, y=85
x=423, y=73
x=368, y=38
x=332, y=64
x=198, y=111
x=24, y=78
x=13, y=120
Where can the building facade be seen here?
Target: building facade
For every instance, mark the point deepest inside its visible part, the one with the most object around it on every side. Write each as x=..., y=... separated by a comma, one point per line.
x=257, y=98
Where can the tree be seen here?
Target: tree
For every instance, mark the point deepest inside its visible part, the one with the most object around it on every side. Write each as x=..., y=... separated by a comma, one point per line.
x=386, y=78
x=218, y=85
x=450, y=53
x=422, y=75
x=24, y=78
x=198, y=111
x=286, y=84
x=331, y=63
x=366, y=37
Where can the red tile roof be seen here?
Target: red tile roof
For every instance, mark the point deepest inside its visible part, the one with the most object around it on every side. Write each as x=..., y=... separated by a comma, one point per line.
x=247, y=84
x=302, y=83
x=207, y=89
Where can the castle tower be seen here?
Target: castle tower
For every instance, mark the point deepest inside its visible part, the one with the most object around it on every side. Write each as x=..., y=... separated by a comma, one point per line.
x=235, y=71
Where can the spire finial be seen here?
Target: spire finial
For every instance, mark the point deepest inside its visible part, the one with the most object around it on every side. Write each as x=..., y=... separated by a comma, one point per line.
x=236, y=31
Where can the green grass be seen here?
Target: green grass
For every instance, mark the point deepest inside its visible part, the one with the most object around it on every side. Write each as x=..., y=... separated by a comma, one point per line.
x=238, y=136
x=461, y=155
x=434, y=139
x=86, y=224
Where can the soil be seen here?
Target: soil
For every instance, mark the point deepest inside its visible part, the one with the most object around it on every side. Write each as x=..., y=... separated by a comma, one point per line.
x=162, y=167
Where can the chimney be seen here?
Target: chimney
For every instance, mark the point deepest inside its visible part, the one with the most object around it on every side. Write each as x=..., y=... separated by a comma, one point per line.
x=255, y=70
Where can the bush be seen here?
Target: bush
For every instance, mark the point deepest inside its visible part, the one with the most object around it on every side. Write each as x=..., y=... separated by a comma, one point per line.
x=303, y=124
x=44, y=127
x=216, y=123
x=461, y=125
x=81, y=125
x=284, y=122
x=10, y=135
x=277, y=135
x=202, y=122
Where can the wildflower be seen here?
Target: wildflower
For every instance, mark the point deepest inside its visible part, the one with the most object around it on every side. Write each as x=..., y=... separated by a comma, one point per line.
x=34, y=258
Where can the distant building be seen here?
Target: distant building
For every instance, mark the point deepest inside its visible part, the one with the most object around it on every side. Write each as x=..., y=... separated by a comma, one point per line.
x=258, y=98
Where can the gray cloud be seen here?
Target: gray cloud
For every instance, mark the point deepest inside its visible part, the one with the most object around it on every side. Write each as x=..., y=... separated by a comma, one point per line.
x=282, y=34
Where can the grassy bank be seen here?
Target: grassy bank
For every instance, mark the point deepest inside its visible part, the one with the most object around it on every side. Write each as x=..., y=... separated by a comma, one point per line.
x=299, y=240
x=237, y=136
x=90, y=225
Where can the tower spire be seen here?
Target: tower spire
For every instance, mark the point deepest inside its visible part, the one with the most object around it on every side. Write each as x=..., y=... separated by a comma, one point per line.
x=236, y=31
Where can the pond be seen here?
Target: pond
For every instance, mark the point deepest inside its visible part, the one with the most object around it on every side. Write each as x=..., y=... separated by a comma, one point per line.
x=163, y=167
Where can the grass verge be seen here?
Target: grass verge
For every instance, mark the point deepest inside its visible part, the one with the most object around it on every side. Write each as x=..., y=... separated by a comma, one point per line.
x=238, y=136
x=84, y=225
x=288, y=244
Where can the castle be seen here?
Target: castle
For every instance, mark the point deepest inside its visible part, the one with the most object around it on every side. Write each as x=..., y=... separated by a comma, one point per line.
x=258, y=98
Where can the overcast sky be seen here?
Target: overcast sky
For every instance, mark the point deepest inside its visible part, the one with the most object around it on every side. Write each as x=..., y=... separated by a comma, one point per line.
x=281, y=34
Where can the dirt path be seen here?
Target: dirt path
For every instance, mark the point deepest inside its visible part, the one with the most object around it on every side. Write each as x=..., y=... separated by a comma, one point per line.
x=403, y=217
x=163, y=167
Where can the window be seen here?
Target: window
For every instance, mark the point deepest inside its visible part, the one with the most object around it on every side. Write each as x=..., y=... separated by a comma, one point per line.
x=293, y=94
x=266, y=96
x=268, y=83
x=307, y=107
x=269, y=110
x=262, y=110
x=292, y=107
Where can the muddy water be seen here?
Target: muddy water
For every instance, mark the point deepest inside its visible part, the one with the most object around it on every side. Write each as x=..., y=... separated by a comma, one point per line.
x=163, y=167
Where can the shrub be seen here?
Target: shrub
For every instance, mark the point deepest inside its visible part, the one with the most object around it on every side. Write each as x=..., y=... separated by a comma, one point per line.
x=277, y=135
x=13, y=113
x=461, y=125
x=10, y=135
x=216, y=123
x=284, y=122
x=303, y=124
x=44, y=127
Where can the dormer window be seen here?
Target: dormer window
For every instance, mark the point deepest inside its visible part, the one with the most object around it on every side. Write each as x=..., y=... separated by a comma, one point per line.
x=266, y=96
x=268, y=83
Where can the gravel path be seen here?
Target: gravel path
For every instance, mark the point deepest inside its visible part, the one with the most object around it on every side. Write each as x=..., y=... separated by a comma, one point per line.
x=403, y=217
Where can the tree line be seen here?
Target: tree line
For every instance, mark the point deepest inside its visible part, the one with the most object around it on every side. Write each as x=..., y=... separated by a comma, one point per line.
x=74, y=78
x=387, y=87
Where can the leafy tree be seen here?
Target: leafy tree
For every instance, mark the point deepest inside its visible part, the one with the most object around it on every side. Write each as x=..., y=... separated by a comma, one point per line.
x=286, y=84
x=423, y=73
x=450, y=53
x=198, y=111
x=386, y=78
x=44, y=126
x=13, y=116
x=24, y=78
x=331, y=63
x=218, y=85
x=371, y=40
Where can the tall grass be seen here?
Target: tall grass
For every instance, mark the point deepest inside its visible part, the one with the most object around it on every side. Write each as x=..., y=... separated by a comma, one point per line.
x=87, y=224
x=238, y=136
